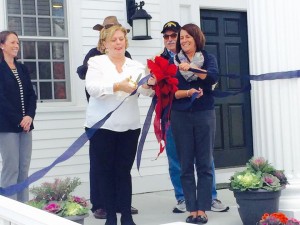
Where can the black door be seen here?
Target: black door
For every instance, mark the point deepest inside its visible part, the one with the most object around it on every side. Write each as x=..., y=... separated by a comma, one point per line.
x=226, y=38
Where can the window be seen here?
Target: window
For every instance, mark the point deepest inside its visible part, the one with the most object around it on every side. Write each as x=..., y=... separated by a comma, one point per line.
x=41, y=26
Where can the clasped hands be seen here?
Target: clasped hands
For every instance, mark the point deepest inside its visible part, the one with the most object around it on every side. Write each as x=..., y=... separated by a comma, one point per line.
x=191, y=91
x=26, y=123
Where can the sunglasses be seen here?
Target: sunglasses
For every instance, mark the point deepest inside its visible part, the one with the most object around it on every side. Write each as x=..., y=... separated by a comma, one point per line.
x=173, y=35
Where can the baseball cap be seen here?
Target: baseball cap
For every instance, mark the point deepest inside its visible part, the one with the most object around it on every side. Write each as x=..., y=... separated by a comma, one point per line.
x=171, y=25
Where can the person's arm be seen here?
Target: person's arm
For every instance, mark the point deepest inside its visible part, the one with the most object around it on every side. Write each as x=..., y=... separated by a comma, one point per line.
x=211, y=75
x=6, y=107
x=188, y=93
x=99, y=79
x=82, y=70
x=146, y=88
x=95, y=79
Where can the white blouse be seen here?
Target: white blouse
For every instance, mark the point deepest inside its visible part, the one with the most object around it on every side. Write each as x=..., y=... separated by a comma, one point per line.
x=100, y=78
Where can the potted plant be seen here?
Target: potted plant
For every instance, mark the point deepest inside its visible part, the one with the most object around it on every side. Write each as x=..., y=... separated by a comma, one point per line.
x=56, y=198
x=257, y=189
x=277, y=219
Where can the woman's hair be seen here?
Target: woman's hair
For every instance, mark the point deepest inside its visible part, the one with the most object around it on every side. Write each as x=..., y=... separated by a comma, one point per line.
x=3, y=37
x=196, y=33
x=106, y=34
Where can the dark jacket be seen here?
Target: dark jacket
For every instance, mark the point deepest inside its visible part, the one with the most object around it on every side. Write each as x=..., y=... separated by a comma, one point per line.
x=166, y=55
x=205, y=102
x=10, y=101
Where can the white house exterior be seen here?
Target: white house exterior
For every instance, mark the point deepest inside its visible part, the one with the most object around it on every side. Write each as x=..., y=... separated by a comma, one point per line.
x=59, y=123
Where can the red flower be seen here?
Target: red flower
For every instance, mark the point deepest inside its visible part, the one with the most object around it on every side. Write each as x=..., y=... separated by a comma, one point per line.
x=165, y=89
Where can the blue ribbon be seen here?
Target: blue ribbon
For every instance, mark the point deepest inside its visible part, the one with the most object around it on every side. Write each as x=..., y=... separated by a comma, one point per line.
x=218, y=94
x=77, y=144
x=144, y=132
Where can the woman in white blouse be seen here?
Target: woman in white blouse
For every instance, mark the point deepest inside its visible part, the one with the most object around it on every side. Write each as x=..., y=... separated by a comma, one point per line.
x=110, y=79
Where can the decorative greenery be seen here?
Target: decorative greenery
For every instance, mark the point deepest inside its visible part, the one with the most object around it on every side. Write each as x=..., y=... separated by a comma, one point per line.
x=277, y=219
x=56, y=198
x=259, y=174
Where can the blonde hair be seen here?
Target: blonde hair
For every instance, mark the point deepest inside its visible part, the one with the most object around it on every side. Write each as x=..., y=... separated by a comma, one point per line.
x=106, y=34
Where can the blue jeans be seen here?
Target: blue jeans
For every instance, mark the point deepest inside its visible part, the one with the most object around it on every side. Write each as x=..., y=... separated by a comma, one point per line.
x=175, y=171
x=174, y=166
x=214, y=188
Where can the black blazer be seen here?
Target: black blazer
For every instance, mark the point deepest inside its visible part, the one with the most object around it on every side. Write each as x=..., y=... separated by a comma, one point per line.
x=10, y=101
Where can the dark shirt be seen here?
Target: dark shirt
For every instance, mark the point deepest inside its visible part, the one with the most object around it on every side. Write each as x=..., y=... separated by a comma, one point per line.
x=11, y=108
x=205, y=102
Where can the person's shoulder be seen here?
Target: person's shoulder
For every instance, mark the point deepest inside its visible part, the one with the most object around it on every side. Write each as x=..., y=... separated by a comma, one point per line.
x=94, y=52
x=132, y=62
x=23, y=66
x=165, y=54
x=98, y=58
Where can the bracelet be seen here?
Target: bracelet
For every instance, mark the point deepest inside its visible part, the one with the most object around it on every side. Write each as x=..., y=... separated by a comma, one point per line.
x=187, y=93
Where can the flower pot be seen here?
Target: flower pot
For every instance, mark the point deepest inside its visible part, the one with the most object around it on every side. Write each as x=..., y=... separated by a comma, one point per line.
x=77, y=219
x=253, y=204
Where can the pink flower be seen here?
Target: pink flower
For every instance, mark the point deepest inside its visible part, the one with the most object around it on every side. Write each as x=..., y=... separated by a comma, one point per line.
x=52, y=208
x=79, y=200
x=281, y=176
x=293, y=221
x=259, y=161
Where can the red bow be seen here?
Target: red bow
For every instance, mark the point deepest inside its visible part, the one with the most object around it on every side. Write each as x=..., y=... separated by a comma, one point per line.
x=165, y=89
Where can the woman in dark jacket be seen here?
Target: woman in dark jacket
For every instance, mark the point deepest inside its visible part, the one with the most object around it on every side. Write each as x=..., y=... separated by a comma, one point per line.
x=17, y=110
x=193, y=123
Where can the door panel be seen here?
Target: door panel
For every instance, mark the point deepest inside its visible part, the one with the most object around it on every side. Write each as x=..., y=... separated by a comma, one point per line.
x=226, y=38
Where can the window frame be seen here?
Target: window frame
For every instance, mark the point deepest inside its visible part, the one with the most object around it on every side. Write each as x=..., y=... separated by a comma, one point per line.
x=66, y=45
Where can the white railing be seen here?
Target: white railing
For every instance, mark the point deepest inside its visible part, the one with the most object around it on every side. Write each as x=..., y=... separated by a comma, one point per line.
x=16, y=213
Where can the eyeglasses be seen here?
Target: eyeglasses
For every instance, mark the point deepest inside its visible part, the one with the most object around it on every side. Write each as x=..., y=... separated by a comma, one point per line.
x=173, y=35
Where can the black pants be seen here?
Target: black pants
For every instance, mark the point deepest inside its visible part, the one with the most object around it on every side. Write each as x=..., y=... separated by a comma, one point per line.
x=111, y=158
x=194, y=135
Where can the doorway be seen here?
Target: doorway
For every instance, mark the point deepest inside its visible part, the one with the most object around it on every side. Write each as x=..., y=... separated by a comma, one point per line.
x=227, y=38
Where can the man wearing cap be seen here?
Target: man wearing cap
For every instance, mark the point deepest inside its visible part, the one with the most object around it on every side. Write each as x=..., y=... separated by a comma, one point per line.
x=96, y=190
x=170, y=33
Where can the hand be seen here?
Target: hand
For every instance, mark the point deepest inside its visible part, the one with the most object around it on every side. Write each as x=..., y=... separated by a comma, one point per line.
x=203, y=75
x=151, y=81
x=193, y=90
x=184, y=66
x=127, y=85
x=26, y=123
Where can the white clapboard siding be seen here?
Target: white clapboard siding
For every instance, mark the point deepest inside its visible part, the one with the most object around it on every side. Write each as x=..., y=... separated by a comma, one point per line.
x=58, y=125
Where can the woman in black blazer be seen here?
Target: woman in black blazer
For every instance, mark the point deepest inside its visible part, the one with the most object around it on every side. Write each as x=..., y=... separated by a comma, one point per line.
x=17, y=111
